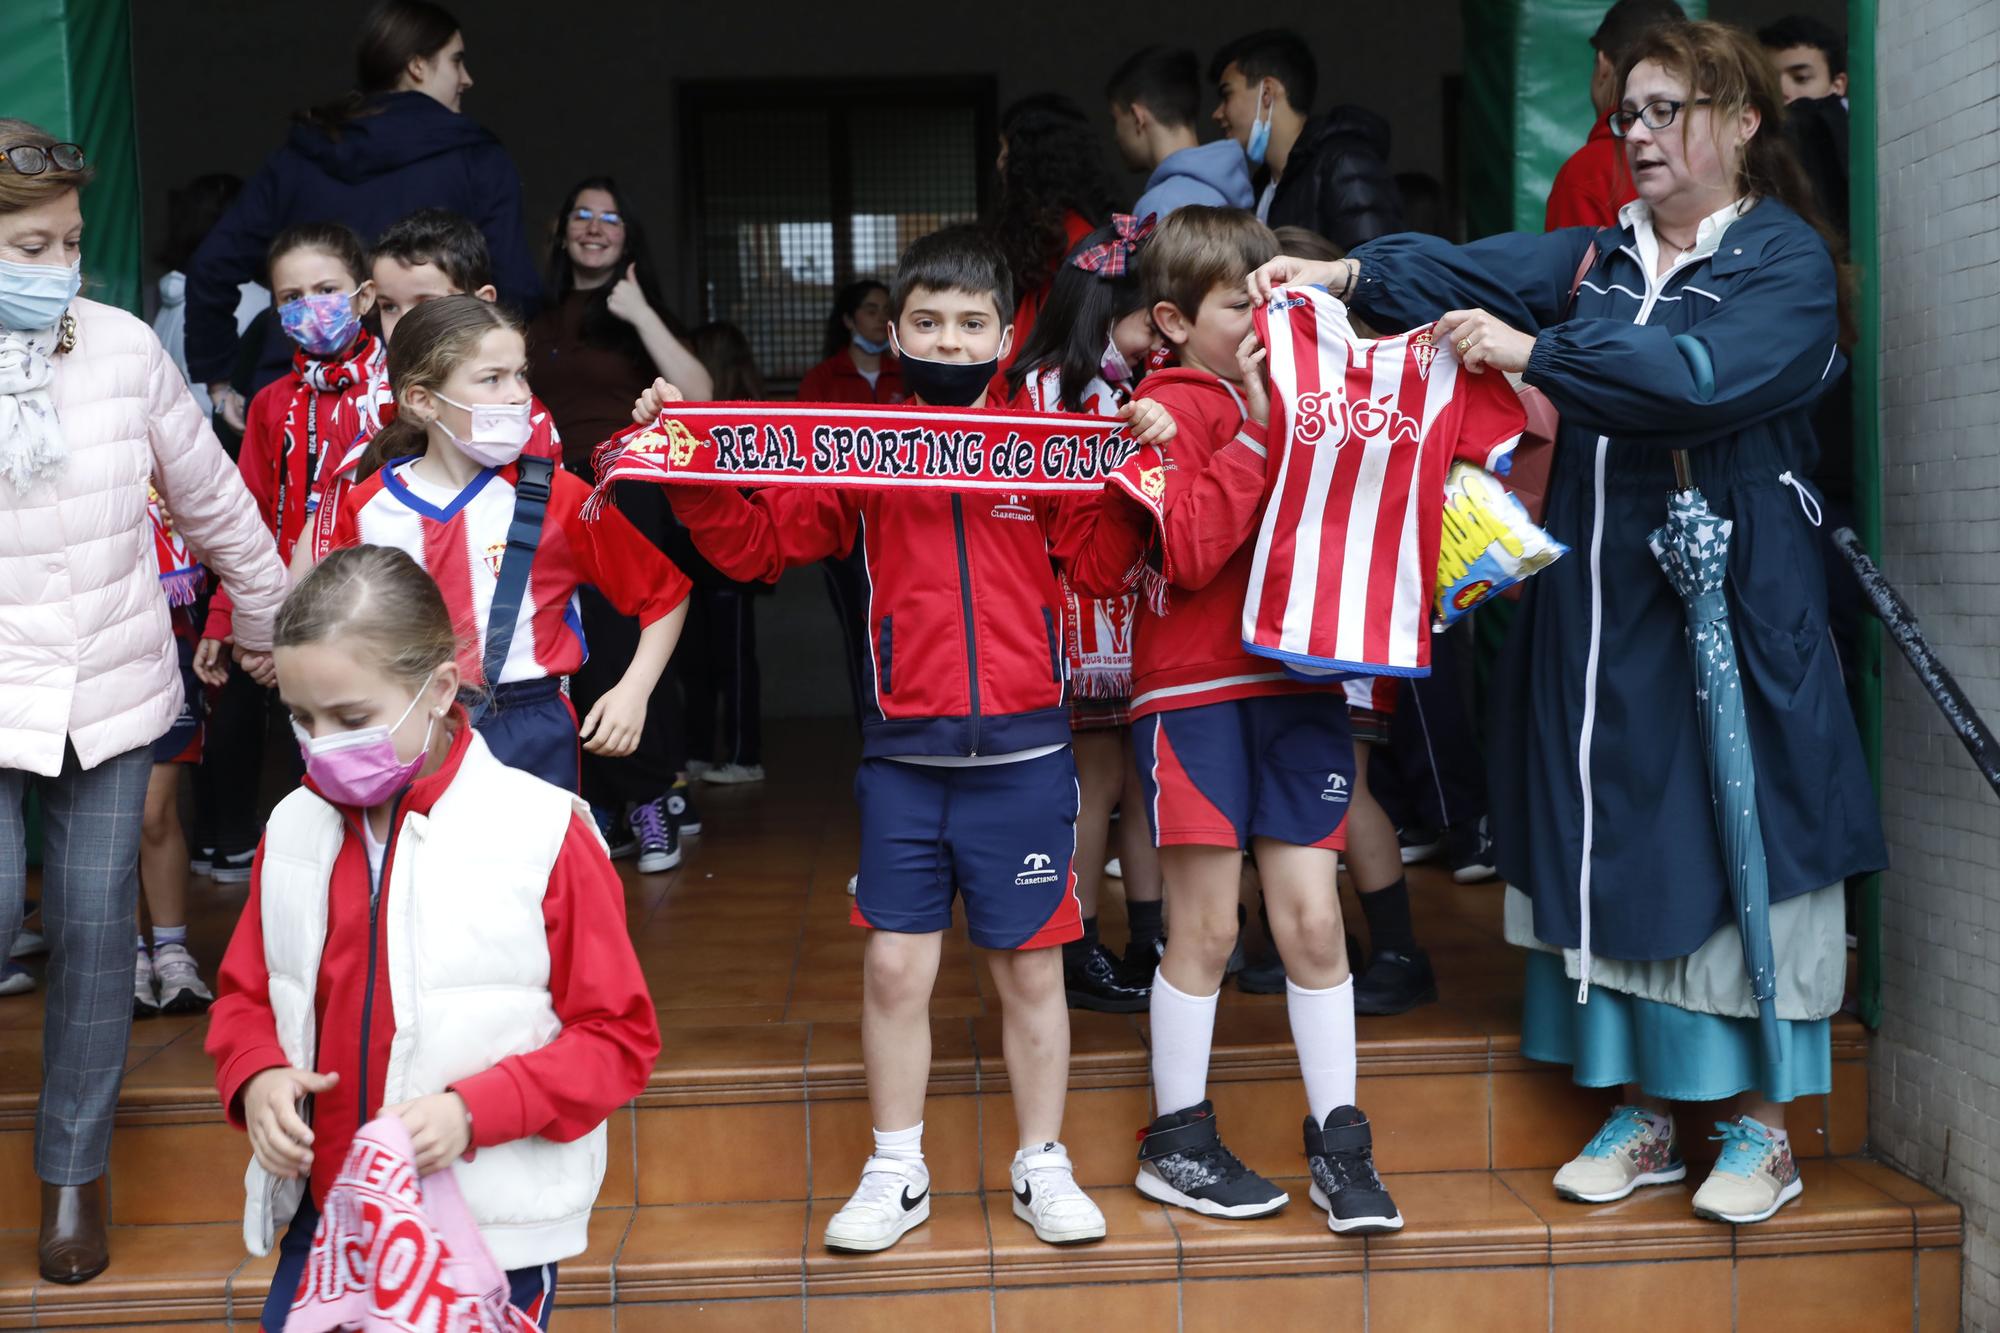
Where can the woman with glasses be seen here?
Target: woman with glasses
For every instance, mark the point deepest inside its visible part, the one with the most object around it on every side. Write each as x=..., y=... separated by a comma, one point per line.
x=1706, y=325
x=605, y=335
x=398, y=142
x=91, y=409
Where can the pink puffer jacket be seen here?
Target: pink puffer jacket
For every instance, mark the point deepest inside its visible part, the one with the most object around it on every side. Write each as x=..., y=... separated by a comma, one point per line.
x=86, y=651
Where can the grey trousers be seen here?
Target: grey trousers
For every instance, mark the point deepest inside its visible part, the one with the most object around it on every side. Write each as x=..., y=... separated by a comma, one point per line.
x=90, y=886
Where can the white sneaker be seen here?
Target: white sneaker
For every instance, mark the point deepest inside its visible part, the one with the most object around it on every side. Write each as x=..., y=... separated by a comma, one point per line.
x=894, y=1196
x=15, y=979
x=181, y=988
x=28, y=943
x=1114, y=869
x=853, y=883
x=145, y=995
x=730, y=774
x=1047, y=1197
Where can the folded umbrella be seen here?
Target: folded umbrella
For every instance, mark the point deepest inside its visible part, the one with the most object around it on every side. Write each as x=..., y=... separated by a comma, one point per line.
x=1692, y=546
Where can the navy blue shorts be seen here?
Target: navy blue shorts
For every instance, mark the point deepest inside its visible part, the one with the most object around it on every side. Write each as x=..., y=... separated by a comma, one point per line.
x=530, y=725
x=530, y=1290
x=1002, y=836
x=1279, y=766
x=182, y=742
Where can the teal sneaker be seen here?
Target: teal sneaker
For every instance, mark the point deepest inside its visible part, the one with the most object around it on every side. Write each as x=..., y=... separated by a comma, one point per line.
x=1755, y=1174
x=1631, y=1150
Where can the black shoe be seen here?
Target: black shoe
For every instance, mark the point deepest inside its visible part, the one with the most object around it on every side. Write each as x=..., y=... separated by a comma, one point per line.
x=1096, y=981
x=232, y=867
x=1395, y=983
x=1419, y=842
x=659, y=839
x=1342, y=1160
x=1182, y=1161
x=1469, y=853
x=619, y=840
x=680, y=809
x=1263, y=973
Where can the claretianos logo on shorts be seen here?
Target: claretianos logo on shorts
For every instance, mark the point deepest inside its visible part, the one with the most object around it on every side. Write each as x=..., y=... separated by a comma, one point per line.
x=1335, y=790
x=1039, y=869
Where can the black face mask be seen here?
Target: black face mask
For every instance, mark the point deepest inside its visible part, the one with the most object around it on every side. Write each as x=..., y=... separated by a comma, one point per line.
x=946, y=383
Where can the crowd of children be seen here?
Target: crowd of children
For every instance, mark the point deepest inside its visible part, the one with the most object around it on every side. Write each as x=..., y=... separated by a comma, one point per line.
x=1053, y=690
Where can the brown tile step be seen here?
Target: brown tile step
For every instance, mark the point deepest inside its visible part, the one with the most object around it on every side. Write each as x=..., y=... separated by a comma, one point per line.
x=1862, y=1248
x=1521, y=1117
x=170, y=1078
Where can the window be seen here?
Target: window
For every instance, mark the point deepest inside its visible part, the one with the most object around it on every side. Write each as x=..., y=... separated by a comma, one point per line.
x=800, y=188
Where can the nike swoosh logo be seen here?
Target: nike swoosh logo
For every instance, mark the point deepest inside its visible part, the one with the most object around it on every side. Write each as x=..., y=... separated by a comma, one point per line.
x=1025, y=1195
x=909, y=1203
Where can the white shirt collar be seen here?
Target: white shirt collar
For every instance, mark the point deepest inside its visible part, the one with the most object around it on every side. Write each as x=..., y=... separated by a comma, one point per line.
x=1638, y=215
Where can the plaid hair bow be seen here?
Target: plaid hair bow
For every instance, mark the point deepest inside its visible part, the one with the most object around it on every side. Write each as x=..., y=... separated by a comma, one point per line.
x=1112, y=258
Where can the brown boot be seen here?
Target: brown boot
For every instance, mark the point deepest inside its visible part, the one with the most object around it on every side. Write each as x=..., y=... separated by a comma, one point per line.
x=73, y=1246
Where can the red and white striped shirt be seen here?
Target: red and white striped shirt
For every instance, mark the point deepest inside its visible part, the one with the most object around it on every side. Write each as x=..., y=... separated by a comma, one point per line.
x=1346, y=557
x=459, y=539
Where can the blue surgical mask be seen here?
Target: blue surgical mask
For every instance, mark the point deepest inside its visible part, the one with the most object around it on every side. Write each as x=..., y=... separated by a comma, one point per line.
x=872, y=346
x=1260, y=133
x=33, y=297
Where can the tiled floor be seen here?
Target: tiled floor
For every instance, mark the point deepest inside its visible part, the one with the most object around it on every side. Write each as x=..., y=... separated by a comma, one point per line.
x=723, y=1172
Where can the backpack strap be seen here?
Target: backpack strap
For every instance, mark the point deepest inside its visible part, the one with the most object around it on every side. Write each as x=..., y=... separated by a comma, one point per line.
x=532, y=485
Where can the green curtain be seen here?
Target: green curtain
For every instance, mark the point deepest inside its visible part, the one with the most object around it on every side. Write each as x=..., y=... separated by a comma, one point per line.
x=67, y=66
x=1527, y=103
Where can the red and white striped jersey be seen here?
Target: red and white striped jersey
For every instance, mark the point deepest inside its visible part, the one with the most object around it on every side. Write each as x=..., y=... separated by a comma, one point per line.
x=459, y=539
x=1364, y=432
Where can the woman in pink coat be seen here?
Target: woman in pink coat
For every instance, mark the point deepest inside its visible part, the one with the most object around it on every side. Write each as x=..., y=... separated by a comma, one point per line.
x=91, y=412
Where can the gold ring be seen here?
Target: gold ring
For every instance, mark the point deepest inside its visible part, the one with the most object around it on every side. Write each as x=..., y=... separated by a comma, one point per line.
x=1464, y=346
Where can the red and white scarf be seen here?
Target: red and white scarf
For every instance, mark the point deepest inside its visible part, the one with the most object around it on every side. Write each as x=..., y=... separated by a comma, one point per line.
x=1097, y=635
x=328, y=413
x=901, y=445
x=395, y=1253
x=181, y=575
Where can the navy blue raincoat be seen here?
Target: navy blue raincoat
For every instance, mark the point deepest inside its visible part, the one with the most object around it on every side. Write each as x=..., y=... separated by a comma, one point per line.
x=1594, y=748
x=410, y=152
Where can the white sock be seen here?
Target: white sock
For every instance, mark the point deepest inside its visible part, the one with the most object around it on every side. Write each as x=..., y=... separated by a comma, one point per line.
x=901, y=1145
x=1183, y=1029
x=163, y=935
x=1323, y=1031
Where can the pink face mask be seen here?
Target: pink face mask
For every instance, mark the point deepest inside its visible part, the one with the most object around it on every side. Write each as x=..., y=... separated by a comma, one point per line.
x=360, y=767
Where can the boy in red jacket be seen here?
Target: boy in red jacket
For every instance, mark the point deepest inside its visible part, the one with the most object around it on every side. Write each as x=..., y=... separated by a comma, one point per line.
x=967, y=787
x=1235, y=753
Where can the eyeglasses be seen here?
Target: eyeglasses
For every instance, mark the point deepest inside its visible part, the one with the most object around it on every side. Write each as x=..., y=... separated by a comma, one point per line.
x=609, y=217
x=1657, y=115
x=32, y=159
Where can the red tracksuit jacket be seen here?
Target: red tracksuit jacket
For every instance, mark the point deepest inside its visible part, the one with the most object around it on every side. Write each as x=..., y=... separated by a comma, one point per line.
x=610, y=1035
x=964, y=615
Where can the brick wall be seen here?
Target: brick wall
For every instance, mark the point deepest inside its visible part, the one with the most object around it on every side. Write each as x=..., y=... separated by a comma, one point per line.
x=1935, y=1094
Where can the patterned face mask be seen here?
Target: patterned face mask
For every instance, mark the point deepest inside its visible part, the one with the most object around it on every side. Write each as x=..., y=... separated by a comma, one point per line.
x=321, y=323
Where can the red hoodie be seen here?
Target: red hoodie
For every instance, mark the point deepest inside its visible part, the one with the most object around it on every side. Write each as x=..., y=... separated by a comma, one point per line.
x=610, y=1036
x=1593, y=185
x=1216, y=481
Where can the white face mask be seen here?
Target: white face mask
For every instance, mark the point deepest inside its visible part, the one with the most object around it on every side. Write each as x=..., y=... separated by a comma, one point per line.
x=500, y=431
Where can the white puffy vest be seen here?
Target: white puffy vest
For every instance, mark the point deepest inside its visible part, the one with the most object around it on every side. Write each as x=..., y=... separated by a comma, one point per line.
x=468, y=982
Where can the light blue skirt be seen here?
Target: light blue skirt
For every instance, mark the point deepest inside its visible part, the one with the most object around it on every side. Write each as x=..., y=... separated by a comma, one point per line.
x=1677, y=1054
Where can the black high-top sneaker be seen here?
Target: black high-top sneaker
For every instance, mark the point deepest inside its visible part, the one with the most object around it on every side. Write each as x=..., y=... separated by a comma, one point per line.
x=1182, y=1161
x=1341, y=1156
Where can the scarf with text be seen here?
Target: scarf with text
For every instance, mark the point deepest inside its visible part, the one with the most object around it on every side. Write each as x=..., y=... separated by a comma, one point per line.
x=395, y=1253
x=818, y=444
